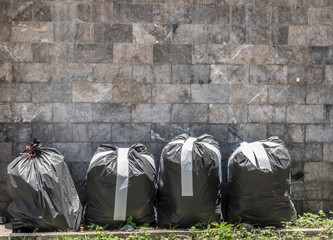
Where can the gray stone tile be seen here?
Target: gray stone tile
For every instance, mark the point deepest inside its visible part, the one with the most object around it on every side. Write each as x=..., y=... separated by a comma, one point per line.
x=102, y=11
x=113, y=32
x=305, y=114
x=223, y=113
x=286, y=94
x=44, y=132
x=151, y=113
x=6, y=152
x=308, y=35
x=328, y=74
x=6, y=72
x=189, y=113
x=95, y=132
x=5, y=11
x=246, y=132
x=75, y=152
x=268, y=74
x=248, y=94
x=190, y=74
x=293, y=133
x=69, y=72
x=239, y=34
x=204, y=13
x=22, y=132
x=290, y=15
x=92, y=92
x=165, y=132
x=183, y=33
x=308, y=191
x=320, y=15
x=62, y=92
x=280, y=54
x=6, y=130
x=279, y=34
x=42, y=92
x=211, y=54
x=319, y=94
x=84, y=12
x=133, y=53
x=260, y=34
x=93, y=52
x=220, y=34
x=72, y=112
x=318, y=171
x=249, y=54
x=259, y=14
x=42, y=11
x=73, y=32
x=172, y=13
x=133, y=13
x=131, y=132
x=78, y=172
x=152, y=73
x=63, y=11
x=202, y=33
x=319, y=133
x=111, y=113
x=32, y=32
x=103, y=72
x=238, y=14
x=6, y=113
x=20, y=11
x=153, y=33
x=131, y=93
x=49, y=52
x=31, y=112
x=18, y=51
x=267, y=113
x=20, y=92
x=306, y=75
x=171, y=93
x=206, y=93
x=229, y=74
x=328, y=152
x=218, y=131
x=172, y=53
x=321, y=55
x=328, y=113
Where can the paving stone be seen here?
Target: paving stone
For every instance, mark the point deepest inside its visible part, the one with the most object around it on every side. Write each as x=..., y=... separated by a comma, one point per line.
x=308, y=35
x=287, y=132
x=286, y=94
x=238, y=34
x=259, y=14
x=218, y=131
x=113, y=32
x=20, y=11
x=42, y=92
x=165, y=132
x=5, y=92
x=172, y=53
x=5, y=11
x=202, y=33
x=152, y=33
x=73, y=32
x=131, y=132
x=220, y=34
x=191, y=113
x=84, y=12
x=30, y=112
x=206, y=93
x=171, y=93
x=211, y=54
x=69, y=72
x=318, y=171
x=63, y=11
x=190, y=74
x=62, y=92
x=308, y=191
x=102, y=72
x=5, y=72
x=72, y=112
x=328, y=75
x=131, y=93
x=320, y=15
x=133, y=13
x=249, y=54
x=6, y=113
x=92, y=92
x=279, y=34
x=319, y=94
x=111, y=113
x=290, y=15
x=49, y=52
x=20, y=92
x=172, y=13
x=328, y=152
x=248, y=94
x=238, y=14
x=102, y=11
x=305, y=114
x=5, y=31
x=44, y=132
x=224, y=74
x=321, y=55
x=22, y=132
x=268, y=74
x=93, y=52
x=288, y=55
x=319, y=133
x=32, y=32
x=260, y=34
x=328, y=112
x=152, y=73
x=306, y=75
x=327, y=191
x=19, y=52
x=220, y=113
x=151, y=113
x=32, y=72
x=204, y=13
x=6, y=130
x=6, y=154
x=94, y=132
x=133, y=53
x=246, y=132
x=267, y=113
x=75, y=152
x=42, y=11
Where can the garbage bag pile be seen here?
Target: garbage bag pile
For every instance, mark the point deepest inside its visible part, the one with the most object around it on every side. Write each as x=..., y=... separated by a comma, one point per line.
x=121, y=182
x=43, y=193
x=259, y=184
x=189, y=182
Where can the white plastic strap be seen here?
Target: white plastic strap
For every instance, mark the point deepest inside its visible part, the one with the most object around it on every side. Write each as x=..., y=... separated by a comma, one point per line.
x=261, y=155
x=98, y=156
x=120, y=201
x=218, y=154
x=176, y=142
x=186, y=167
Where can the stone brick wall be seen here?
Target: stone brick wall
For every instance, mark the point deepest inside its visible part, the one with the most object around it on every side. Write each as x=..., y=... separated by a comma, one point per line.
x=80, y=73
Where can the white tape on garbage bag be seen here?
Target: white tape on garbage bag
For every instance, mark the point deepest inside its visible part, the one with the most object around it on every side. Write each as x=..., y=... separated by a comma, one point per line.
x=120, y=201
x=218, y=154
x=186, y=167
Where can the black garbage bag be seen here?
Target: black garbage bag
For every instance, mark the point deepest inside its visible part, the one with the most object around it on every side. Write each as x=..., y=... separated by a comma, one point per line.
x=43, y=193
x=189, y=182
x=259, y=184
x=121, y=183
